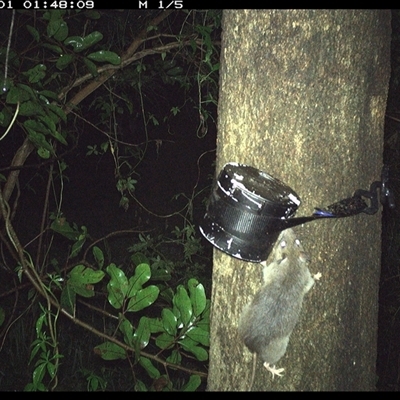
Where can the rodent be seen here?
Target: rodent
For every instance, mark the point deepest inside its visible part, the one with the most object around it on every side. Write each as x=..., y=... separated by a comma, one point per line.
x=266, y=323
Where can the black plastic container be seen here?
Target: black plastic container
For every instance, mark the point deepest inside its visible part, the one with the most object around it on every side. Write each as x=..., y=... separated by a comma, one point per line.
x=247, y=210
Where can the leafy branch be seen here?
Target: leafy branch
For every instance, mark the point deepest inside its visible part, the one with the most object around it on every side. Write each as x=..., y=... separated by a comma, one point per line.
x=27, y=147
x=41, y=76
x=119, y=290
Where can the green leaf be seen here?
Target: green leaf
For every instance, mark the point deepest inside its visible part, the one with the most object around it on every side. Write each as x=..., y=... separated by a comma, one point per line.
x=141, y=276
x=155, y=325
x=76, y=42
x=204, y=322
x=36, y=74
x=127, y=329
x=215, y=67
x=57, y=28
x=169, y=321
x=59, y=112
x=98, y=256
x=81, y=280
x=175, y=110
x=193, y=384
x=68, y=299
x=58, y=136
x=61, y=226
x=33, y=31
x=51, y=369
x=17, y=94
x=104, y=146
x=105, y=56
x=165, y=341
x=81, y=43
x=48, y=93
x=149, y=367
x=46, y=101
x=168, y=295
x=161, y=275
x=117, y=287
x=85, y=275
x=139, y=258
x=140, y=386
x=30, y=108
x=39, y=323
x=52, y=129
x=143, y=298
x=43, y=153
x=197, y=296
x=30, y=387
x=189, y=345
x=175, y=357
x=142, y=336
x=199, y=335
x=91, y=66
x=77, y=246
x=175, y=71
x=92, y=14
x=83, y=290
x=35, y=348
x=110, y=351
x=40, y=141
x=62, y=31
x=34, y=126
x=53, y=47
x=30, y=94
x=38, y=374
x=47, y=121
x=64, y=60
x=182, y=302
x=160, y=271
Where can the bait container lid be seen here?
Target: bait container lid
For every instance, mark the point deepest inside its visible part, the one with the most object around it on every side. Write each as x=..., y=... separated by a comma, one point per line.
x=245, y=211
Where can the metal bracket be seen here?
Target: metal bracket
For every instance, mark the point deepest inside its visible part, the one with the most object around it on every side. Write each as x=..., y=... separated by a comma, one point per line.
x=356, y=204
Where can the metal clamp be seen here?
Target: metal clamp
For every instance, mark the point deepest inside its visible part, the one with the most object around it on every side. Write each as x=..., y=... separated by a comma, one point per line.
x=356, y=204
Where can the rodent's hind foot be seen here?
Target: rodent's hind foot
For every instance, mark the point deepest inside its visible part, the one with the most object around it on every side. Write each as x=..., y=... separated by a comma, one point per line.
x=317, y=276
x=273, y=370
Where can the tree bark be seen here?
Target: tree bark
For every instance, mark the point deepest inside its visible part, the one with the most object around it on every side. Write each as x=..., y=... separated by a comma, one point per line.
x=302, y=97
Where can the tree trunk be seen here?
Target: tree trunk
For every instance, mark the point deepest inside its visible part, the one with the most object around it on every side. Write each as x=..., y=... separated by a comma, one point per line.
x=302, y=97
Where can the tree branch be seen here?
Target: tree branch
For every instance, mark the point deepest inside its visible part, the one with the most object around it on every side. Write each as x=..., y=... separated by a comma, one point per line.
x=33, y=276
x=27, y=147
x=92, y=86
x=135, y=57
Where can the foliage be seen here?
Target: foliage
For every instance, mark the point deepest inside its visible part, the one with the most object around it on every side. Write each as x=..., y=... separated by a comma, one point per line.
x=180, y=253
x=65, y=71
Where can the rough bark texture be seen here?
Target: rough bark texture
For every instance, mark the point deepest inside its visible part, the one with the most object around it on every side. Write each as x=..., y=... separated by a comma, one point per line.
x=302, y=97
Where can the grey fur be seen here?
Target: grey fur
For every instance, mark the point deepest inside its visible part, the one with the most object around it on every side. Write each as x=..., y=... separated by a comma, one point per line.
x=268, y=321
